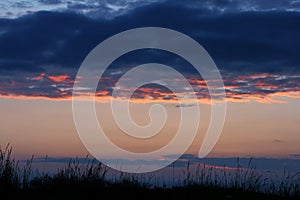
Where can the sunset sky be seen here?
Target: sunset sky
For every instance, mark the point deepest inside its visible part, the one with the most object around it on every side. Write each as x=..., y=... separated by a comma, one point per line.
x=255, y=45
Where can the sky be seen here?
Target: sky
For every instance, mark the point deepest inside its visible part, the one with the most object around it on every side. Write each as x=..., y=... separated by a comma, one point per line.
x=255, y=45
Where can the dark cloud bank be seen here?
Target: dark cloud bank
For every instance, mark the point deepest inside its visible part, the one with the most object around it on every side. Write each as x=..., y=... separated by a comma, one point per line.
x=241, y=40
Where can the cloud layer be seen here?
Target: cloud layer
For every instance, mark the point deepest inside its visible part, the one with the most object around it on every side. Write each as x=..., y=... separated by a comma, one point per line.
x=254, y=44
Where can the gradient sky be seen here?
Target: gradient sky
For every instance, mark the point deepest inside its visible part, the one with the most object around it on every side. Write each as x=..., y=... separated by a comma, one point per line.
x=255, y=45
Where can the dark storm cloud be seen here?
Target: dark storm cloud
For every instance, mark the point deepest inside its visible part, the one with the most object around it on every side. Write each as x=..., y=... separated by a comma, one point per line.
x=250, y=41
x=42, y=39
x=264, y=42
x=47, y=2
x=256, y=39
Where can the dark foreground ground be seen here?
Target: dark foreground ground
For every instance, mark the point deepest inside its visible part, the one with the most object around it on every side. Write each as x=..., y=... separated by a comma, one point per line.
x=132, y=191
x=139, y=193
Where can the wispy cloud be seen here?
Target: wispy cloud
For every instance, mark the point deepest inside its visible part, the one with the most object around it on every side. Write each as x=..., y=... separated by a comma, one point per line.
x=114, y=8
x=91, y=8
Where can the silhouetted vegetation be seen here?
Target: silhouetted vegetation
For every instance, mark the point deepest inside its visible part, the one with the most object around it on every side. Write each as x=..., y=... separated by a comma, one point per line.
x=90, y=180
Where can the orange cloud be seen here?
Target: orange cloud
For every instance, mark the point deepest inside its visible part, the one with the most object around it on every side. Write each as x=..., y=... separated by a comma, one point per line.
x=262, y=85
x=56, y=79
x=24, y=97
x=39, y=77
x=59, y=78
x=255, y=76
x=231, y=86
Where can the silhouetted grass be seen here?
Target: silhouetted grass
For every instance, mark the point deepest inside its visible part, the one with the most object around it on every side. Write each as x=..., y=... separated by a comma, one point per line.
x=90, y=180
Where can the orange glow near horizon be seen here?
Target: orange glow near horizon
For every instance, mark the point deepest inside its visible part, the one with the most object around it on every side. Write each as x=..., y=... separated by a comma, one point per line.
x=47, y=127
x=148, y=95
x=104, y=97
